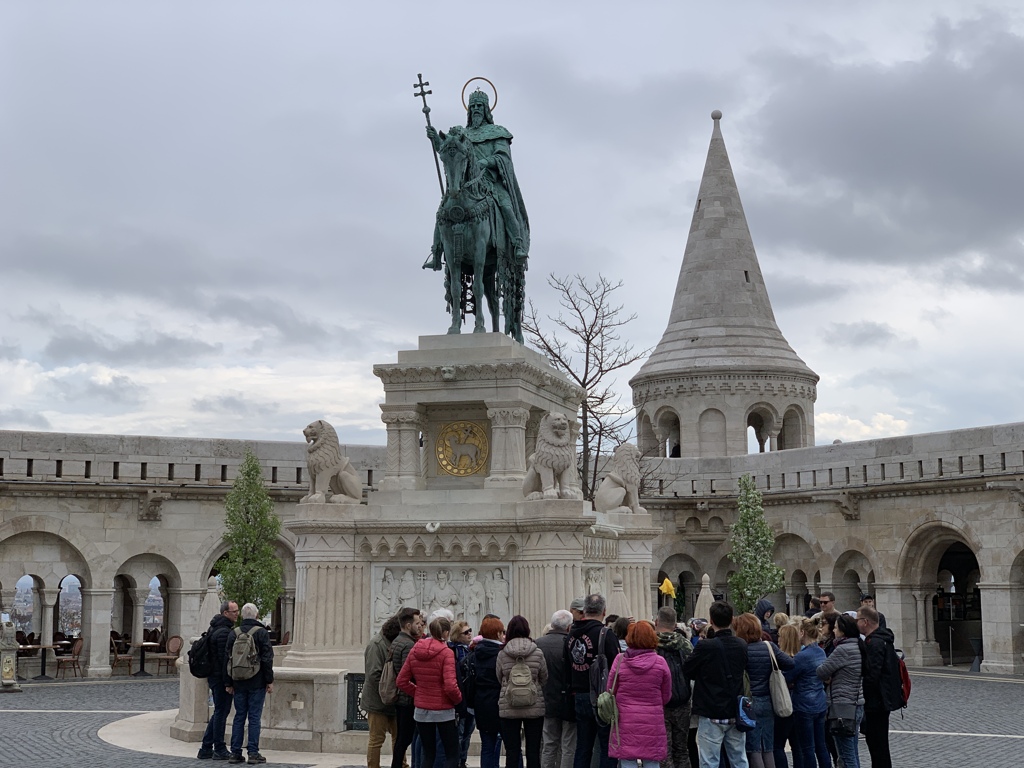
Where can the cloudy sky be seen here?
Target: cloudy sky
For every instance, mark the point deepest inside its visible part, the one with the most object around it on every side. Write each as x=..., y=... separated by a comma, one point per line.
x=213, y=214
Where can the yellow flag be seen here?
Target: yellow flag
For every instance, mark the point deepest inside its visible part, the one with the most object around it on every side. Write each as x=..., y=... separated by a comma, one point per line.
x=666, y=588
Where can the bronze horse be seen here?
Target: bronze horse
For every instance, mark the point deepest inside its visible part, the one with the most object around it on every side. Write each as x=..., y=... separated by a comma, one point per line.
x=466, y=220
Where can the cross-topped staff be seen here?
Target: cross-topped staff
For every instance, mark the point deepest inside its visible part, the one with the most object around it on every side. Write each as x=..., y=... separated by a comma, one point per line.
x=421, y=93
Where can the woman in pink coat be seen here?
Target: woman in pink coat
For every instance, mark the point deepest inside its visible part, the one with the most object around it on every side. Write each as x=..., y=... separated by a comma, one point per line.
x=643, y=686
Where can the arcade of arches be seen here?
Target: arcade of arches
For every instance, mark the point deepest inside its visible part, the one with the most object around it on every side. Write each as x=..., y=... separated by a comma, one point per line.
x=55, y=587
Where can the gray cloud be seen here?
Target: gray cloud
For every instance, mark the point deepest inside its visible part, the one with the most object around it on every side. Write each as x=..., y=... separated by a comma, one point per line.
x=864, y=333
x=791, y=291
x=73, y=345
x=9, y=351
x=18, y=418
x=912, y=163
x=119, y=389
x=234, y=404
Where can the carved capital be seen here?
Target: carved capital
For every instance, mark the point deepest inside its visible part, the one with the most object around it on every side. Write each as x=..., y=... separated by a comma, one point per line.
x=151, y=505
x=846, y=502
x=508, y=417
x=1014, y=488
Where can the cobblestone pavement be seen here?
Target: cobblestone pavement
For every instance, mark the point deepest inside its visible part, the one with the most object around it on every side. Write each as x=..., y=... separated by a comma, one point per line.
x=954, y=719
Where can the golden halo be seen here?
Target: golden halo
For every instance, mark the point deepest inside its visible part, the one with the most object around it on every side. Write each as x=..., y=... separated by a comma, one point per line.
x=493, y=106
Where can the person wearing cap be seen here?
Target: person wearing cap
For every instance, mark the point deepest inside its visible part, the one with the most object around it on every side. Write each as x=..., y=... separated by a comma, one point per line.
x=576, y=609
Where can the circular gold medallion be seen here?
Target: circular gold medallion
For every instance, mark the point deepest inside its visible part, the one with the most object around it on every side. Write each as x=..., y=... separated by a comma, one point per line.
x=461, y=448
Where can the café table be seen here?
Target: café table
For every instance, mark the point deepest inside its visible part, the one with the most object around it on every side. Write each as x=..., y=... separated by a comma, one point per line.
x=42, y=663
x=142, y=657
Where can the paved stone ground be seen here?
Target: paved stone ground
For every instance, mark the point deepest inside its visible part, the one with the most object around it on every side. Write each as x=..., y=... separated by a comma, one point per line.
x=955, y=719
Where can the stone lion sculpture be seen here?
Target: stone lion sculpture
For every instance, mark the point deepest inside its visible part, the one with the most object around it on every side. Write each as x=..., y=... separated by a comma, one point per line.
x=620, y=489
x=551, y=469
x=331, y=476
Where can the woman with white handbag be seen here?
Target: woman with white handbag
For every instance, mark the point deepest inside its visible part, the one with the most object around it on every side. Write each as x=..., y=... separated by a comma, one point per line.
x=763, y=658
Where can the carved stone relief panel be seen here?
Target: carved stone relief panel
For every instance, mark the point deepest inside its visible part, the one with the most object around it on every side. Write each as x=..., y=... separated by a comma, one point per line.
x=470, y=592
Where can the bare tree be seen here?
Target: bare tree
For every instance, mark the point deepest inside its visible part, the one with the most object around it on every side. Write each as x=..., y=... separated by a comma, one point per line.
x=589, y=352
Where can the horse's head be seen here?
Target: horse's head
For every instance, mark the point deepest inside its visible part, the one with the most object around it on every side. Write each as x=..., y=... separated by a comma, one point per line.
x=457, y=156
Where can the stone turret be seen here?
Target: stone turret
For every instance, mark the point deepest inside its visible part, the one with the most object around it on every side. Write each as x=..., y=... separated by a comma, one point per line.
x=722, y=365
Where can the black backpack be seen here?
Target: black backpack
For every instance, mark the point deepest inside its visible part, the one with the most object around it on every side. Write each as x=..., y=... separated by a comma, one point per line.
x=465, y=673
x=680, y=685
x=200, y=656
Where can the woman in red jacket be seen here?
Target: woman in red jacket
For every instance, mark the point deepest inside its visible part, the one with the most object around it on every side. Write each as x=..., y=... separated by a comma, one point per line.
x=428, y=675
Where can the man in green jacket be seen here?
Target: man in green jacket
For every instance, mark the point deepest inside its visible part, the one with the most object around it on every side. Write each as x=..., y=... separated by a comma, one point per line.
x=380, y=716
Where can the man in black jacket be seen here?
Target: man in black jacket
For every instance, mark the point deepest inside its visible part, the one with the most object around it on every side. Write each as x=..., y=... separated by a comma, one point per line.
x=249, y=694
x=883, y=690
x=584, y=646
x=716, y=667
x=217, y=636
x=559, y=709
x=411, y=622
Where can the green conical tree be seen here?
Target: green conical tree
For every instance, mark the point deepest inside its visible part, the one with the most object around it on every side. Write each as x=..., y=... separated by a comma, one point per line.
x=250, y=571
x=752, y=544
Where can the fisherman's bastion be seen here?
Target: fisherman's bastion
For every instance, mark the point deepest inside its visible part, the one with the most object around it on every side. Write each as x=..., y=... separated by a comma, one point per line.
x=931, y=524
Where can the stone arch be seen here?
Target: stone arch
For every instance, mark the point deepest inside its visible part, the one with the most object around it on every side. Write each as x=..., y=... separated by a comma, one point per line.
x=795, y=555
x=86, y=549
x=793, y=429
x=923, y=548
x=763, y=418
x=1016, y=597
x=802, y=531
x=711, y=433
x=46, y=555
x=647, y=439
x=668, y=431
x=850, y=578
x=720, y=578
x=684, y=571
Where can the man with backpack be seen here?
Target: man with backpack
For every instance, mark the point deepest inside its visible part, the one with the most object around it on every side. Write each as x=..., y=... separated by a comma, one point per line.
x=250, y=677
x=592, y=648
x=883, y=689
x=380, y=716
x=215, y=666
x=673, y=647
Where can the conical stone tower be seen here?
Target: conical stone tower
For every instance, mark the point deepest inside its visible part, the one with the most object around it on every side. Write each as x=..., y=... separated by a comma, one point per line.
x=722, y=365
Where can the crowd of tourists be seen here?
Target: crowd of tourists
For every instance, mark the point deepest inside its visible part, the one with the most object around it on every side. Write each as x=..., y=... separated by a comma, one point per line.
x=599, y=691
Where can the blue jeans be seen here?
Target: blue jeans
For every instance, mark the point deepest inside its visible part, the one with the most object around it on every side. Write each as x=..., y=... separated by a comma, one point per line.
x=711, y=736
x=490, y=749
x=783, y=731
x=466, y=725
x=587, y=729
x=248, y=705
x=810, y=738
x=847, y=746
x=214, y=736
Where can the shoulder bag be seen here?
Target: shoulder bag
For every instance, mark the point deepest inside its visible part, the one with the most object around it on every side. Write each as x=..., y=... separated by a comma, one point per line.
x=782, y=702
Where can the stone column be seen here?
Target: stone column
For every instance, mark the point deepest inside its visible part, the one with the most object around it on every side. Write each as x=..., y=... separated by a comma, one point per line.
x=404, y=469
x=926, y=650
x=47, y=600
x=508, y=446
x=999, y=627
x=139, y=595
x=96, y=631
x=7, y=600
x=532, y=430
x=288, y=612
x=182, y=618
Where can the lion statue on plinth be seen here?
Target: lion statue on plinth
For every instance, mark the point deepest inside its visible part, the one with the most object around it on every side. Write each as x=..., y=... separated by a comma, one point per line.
x=620, y=489
x=331, y=476
x=551, y=469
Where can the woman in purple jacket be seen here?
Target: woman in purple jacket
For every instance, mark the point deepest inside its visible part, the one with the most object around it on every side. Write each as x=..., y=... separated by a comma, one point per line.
x=642, y=687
